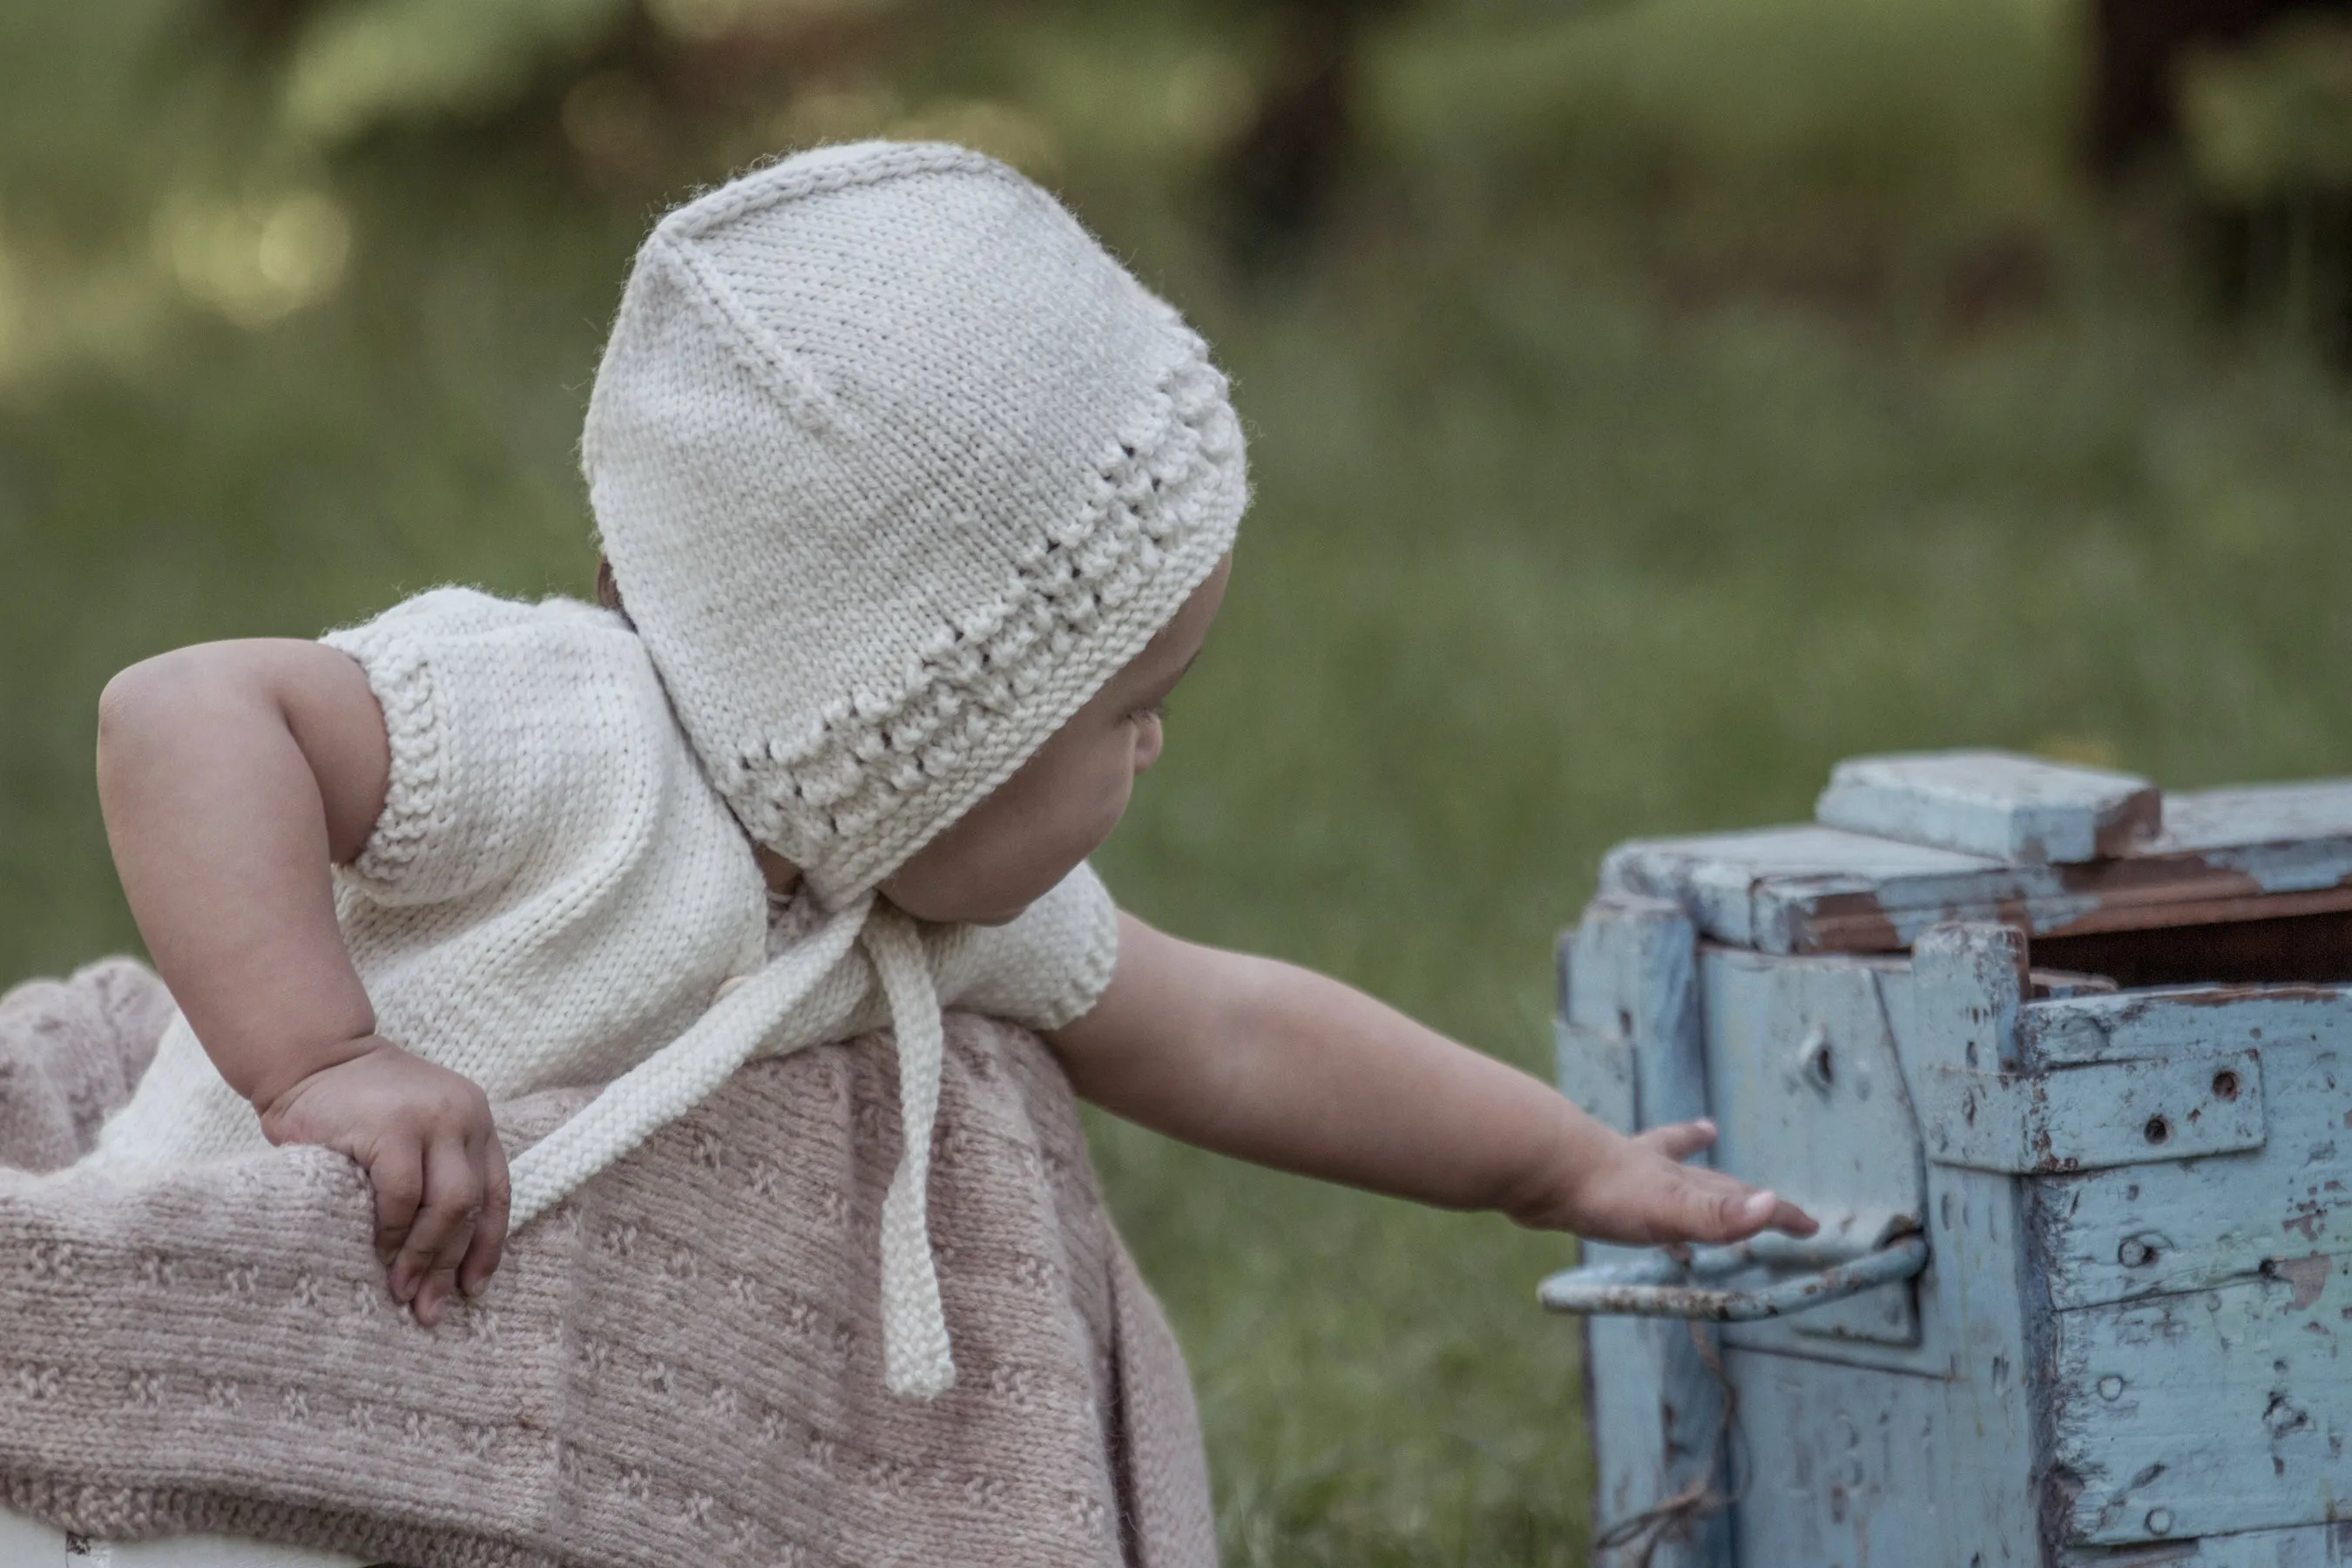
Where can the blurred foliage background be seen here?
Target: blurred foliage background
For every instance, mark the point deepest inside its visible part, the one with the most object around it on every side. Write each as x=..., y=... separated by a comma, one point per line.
x=1653, y=401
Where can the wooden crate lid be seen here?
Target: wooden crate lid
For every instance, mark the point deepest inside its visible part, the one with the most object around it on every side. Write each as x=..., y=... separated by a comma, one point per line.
x=2017, y=809
x=2191, y=858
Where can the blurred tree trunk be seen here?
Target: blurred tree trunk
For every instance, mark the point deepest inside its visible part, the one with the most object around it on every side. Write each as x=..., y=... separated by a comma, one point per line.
x=2138, y=47
x=2289, y=255
x=1280, y=178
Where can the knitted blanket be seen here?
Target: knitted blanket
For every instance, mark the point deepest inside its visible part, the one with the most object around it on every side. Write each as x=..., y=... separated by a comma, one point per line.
x=680, y=1364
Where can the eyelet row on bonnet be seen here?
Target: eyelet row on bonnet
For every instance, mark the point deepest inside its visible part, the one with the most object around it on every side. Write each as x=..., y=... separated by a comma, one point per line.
x=867, y=751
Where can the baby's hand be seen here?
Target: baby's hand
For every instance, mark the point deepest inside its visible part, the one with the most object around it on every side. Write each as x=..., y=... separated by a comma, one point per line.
x=424, y=1135
x=1639, y=1194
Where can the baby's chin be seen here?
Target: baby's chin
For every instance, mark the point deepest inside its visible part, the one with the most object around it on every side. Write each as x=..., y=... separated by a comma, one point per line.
x=994, y=897
x=957, y=912
x=982, y=912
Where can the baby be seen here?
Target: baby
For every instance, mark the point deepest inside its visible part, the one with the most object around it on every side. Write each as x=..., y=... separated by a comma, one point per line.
x=915, y=507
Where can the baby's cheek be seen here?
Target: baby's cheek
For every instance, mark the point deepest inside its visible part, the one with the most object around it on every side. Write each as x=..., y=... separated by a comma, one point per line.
x=1113, y=791
x=1025, y=870
x=1078, y=825
x=1074, y=830
x=1018, y=844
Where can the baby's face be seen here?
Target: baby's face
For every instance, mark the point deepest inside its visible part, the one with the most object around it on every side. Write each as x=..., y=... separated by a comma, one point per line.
x=1019, y=841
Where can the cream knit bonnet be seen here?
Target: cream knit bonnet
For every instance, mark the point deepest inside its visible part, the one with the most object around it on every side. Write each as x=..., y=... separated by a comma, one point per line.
x=895, y=467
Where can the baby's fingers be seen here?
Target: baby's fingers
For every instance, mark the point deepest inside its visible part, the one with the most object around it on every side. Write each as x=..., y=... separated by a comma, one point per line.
x=1787, y=1217
x=1715, y=1208
x=1681, y=1139
x=490, y=1243
x=426, y=1269
x=1714, y=1212
x=397, y=1172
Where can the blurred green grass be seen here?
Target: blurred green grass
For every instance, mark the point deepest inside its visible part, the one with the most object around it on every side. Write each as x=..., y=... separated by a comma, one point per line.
x=1541, y=559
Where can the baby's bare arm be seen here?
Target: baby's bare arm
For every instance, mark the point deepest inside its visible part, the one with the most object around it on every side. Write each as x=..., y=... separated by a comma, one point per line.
x=1276, y=1064
x=231, y=775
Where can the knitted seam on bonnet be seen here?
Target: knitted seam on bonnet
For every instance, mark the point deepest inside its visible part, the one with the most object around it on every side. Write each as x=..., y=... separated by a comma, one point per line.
x=894, y=465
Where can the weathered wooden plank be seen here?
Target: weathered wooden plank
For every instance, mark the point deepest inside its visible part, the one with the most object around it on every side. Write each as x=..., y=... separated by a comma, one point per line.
x=2172, y=1107
x=2057, y=985
x=2225, y=856
x=2207, y=1412
x=1968, y=984
x=2301, y=1546
x=1595, y=1071
x=2017, y=809
x=1722, y=877
x=2110, y=1235
x=1657, y=1409
x=2172, y=1020
x=2103, y=896
x=1591, y=1058
x=1844, y=1464
x=2250, y=817
x=1805, y=1086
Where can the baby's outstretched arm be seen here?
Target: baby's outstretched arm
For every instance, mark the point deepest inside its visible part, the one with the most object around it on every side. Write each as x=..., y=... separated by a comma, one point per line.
x=232, y=774
x=1276, y=1064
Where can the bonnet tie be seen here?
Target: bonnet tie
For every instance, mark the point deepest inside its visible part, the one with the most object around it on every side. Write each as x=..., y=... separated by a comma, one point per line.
x=682, y=1074
x=914, y=1326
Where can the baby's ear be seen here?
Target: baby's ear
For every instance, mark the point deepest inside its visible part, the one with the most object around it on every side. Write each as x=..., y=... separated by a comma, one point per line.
x=608, y=590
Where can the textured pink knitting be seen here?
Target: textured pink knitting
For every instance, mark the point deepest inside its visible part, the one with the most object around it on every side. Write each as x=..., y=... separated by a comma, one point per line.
x=681, y=1364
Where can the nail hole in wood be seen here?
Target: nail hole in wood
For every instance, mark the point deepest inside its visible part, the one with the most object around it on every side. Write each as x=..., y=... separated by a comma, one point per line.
x=2157, y=1130
x=1817, y=1062
x=2225, y=1085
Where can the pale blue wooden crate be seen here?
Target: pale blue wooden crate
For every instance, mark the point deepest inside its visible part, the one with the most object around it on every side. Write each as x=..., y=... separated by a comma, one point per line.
x=2124, y=1347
